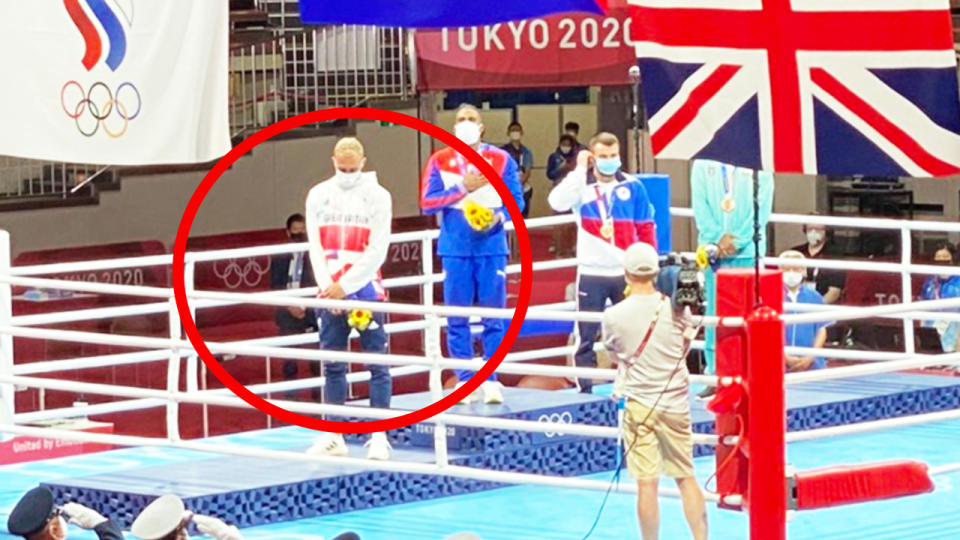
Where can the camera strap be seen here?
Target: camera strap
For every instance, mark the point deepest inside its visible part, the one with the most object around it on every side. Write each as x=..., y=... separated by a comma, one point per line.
x=649, y=334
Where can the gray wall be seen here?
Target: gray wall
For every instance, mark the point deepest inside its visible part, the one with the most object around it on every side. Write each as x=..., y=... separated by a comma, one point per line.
x=258, y=192
x=264, y=187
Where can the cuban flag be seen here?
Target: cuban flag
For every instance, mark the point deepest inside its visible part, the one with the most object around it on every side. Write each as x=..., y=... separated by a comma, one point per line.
x=436, y=13
x=849, y=87
x=115, y=82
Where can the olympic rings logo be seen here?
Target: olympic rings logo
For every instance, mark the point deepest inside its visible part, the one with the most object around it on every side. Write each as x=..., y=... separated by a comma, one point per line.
x=237, y=272
x=93, y=108
x=556, y=418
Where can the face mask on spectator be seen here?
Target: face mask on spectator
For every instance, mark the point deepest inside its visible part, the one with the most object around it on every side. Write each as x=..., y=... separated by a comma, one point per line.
x=815, y=237
x=565, y=149
x=298, y=237
x=938, y=262
x=515, y=135
x=792, y=279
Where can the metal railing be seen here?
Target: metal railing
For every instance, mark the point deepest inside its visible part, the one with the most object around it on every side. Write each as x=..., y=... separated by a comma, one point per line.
x=315, y=68
x=293, y=71
x=31, y=178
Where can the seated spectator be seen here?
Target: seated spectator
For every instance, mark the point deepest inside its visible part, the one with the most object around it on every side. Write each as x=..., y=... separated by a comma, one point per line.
x=293, y=271
x=809, y=335
x=943, y=286
x=829, y=283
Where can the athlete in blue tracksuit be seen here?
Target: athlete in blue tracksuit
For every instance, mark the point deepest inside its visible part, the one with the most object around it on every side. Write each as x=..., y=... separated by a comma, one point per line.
x=474, y=261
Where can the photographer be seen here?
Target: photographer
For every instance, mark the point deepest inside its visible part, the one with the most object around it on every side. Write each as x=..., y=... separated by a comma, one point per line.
x=649, y=341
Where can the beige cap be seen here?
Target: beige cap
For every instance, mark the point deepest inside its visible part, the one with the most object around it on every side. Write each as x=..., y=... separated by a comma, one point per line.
x=159, y=518
x=641, y=259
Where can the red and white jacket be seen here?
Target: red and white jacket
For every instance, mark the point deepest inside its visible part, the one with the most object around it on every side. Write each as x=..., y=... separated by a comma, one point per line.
x=349, y=235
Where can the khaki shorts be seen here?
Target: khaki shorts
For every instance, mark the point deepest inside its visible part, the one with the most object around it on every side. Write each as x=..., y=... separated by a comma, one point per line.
x=663, y=445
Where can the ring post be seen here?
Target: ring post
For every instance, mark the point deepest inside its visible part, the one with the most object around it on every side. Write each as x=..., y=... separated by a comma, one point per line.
x=431, y=346
x=751, y=467
x=173, y=376
x=6, y=340
x=766, y=426
x=193, y=378
x=906, y=289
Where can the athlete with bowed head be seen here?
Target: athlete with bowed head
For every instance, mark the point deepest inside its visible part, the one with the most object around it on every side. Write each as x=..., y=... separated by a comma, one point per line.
x=473, y=242
x=348, y=228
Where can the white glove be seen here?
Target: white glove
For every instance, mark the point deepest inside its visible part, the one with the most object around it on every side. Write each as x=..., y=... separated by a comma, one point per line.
x=83, y=517
x=216, y=528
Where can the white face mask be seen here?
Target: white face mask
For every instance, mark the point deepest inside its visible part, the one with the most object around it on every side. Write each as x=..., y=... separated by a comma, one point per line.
x=515, y=135
x=348, y=180
x=815, y=237
x=468, y=132
x=792, y=279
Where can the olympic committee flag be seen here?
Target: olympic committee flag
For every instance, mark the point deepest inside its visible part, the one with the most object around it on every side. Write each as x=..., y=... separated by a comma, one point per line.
x=120, y=82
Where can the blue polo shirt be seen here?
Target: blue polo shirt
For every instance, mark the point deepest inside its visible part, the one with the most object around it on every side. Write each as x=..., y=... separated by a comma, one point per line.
x=803, y=334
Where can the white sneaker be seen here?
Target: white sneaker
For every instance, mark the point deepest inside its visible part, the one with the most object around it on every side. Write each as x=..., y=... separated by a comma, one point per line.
x=379, y=447
x=492, y=392
x=467, y=400
x=329, y=444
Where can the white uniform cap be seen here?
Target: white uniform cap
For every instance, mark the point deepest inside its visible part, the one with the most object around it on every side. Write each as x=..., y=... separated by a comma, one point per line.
x=159, y=518
x=641, y=259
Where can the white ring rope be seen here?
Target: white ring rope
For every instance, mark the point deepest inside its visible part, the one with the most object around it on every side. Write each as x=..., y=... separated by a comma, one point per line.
x=308, y=354
x=172, y=349
x=270, y=298
x=872, y=311
x=208, y=398
x=873, y=425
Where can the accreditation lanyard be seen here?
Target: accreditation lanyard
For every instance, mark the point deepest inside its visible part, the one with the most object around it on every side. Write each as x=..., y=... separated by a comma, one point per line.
x=296, y=271
x=646, y=338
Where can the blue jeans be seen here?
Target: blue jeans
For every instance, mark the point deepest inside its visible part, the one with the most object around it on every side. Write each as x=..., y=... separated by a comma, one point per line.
x=334, y=336
x=474, y=281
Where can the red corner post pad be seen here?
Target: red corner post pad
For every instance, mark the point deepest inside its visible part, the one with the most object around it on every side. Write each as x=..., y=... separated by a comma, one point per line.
x=848, y=484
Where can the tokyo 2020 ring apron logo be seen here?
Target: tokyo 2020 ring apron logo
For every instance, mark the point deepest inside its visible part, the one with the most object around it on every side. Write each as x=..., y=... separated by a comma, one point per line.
x=101, y=106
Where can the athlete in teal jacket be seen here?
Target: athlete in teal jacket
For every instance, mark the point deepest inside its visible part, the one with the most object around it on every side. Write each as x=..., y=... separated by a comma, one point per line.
x=722, y=200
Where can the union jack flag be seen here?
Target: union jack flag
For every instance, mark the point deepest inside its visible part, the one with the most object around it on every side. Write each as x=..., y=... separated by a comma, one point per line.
x=835, y=87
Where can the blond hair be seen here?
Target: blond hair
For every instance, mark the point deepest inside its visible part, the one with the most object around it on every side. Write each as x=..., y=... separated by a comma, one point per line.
x=348, y=145
x=605, y=138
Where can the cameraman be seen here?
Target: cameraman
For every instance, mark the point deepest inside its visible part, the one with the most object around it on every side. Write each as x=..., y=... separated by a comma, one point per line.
x=648, y=341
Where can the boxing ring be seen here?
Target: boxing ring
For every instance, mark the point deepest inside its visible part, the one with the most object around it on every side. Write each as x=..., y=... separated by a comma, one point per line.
x=539, y=440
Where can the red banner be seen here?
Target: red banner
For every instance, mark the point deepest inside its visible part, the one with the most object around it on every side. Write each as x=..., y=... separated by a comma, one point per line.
x=555, y=51
x=23, y=449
